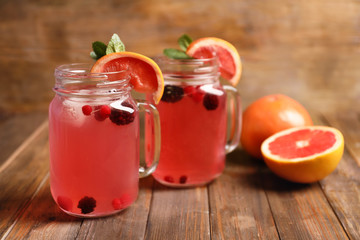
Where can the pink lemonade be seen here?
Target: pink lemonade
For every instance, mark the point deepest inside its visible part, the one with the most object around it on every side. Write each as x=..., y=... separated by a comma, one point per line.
x=94, y=162
x=193, y=137
x=94, y=143
x=193, y=116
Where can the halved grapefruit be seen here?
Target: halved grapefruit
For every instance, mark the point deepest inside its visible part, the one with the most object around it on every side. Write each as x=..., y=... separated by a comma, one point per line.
x=145, y=74
x=303, y=154
x=229, y=58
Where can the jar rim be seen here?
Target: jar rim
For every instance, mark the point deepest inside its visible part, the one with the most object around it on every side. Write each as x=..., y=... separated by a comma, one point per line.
x=81, y=69
x=192, y=71
x=74, y=78
x=163, y=58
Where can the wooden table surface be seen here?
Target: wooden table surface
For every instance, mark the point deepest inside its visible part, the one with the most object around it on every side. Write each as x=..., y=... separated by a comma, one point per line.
x=246, y=202
x=308, y=51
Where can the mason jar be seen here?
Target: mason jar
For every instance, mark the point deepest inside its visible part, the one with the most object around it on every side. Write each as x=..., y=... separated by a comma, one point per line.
x=94, y=137
x=200, y=121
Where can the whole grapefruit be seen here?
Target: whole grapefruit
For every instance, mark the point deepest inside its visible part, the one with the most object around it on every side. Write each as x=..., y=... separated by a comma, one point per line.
x=267, y=116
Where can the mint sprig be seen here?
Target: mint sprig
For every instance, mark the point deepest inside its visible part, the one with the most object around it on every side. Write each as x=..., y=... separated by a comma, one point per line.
x=175, y=53
x=184, y=42
x=115, y=45
x=101, y=49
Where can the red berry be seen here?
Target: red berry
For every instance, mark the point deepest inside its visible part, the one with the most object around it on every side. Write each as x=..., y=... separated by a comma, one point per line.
x=189, y=90
x=172, y=94
x=102, y=112
x=86, y=109
x=116, y=203
x=87, y=204
x=122, y=202
x=183, y=179
x=198, y=94
x=210, y=101
x=194, y=92
x=105, y=111
x=124, y=115
x=169, y=179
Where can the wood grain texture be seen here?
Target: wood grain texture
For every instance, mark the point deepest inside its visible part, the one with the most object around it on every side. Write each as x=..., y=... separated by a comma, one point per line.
x=179, y=214
x=318, y=206
x=14, y=129
x=42, y=219
x=309, y=51
x=247, y=201
x=301, y=211
x=129, y=224
x=314, y=47
x=22, y=177
x=342, y=187
x=238, y=203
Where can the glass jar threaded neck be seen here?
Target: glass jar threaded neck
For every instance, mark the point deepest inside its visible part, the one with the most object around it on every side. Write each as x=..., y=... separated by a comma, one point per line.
x=191, y=71
x=76, y=80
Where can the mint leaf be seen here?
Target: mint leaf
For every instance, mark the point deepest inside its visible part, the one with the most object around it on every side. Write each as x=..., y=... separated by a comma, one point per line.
x=184, y=41
x=175, y=53
x=99, y=50
x=93, y=55
x=115, y=45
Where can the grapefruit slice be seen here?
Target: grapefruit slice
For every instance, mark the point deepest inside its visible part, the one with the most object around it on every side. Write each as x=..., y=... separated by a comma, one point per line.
x=303, y=154
x=145, y=74
x=229, y=58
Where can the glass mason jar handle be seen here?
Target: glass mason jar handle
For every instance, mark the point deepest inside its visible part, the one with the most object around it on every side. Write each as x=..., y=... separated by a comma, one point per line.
x=151, y=164
x=235, y=118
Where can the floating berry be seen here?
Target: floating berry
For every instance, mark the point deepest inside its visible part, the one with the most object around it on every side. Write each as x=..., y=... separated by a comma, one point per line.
x=198, y=95
x=189, y=90
x=172, y=93
x=124, y=115
x=65, y=203
x=169, y=179
x=183, y=179
x=122, y=202
x=117, y=204
x=87, y=204
x=86, y=109
x=194, y=92
x=210, y=101
x=102, y=112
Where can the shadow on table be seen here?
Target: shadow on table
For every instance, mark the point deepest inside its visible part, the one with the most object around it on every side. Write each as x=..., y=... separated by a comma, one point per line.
x=254, y=173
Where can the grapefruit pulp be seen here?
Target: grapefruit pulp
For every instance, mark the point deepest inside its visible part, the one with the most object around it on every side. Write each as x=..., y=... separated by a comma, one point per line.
x=303, y=154
x=229, y=59
x=145, y=74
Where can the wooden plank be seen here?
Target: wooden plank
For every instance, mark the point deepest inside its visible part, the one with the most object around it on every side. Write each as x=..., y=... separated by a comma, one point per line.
x=49, y=222
x=342, y=187
x=238, y=203
x=22, y=176
x=348, y=121
x=128, y=224
x=42, y=219
x=15, y=129
x=303, y=211
x=295, y=49
x=178, y=214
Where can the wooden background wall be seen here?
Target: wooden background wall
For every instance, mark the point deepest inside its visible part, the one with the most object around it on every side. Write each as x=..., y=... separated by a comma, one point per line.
x=300, y=48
